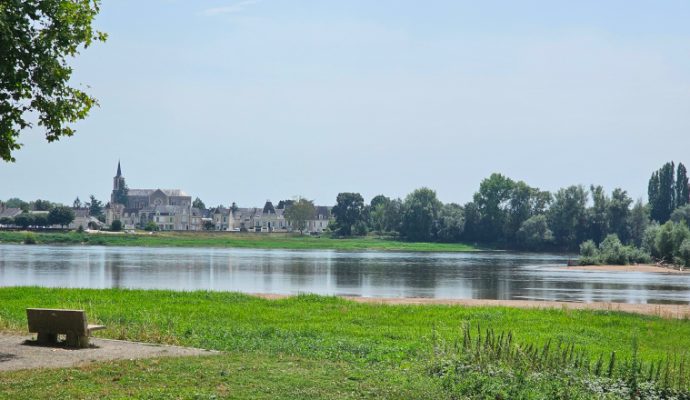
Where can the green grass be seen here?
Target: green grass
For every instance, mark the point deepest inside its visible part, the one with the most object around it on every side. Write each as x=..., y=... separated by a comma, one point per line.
x=300, y=347
x=230, y=239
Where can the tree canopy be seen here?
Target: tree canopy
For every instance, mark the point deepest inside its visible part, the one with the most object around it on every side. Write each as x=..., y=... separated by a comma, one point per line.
x=348, y=212
x=299, y=213
x=37, y=38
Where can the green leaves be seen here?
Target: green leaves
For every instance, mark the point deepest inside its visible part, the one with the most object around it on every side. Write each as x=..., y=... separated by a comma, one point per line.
x=36, y=39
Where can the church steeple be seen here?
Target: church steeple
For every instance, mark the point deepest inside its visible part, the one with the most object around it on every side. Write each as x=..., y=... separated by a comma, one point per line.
x=119, y=170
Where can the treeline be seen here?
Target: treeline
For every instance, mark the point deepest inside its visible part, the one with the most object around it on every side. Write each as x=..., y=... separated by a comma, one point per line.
x=43, y=213
x=513, y=214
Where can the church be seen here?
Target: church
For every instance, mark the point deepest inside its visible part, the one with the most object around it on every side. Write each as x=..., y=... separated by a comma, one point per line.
x=169, y=209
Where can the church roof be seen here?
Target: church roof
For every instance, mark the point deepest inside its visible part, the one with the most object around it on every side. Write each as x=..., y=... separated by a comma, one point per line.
x=149, y=192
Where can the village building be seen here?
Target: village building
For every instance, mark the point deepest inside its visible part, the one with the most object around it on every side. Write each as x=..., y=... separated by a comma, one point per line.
x=266, y=219
x=169, y=209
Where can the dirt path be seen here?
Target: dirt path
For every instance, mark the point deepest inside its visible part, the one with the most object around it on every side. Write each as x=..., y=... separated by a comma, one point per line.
x=659, y=310
x=15, y=354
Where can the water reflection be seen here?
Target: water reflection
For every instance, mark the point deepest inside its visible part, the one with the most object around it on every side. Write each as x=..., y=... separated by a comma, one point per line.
x=372, y=274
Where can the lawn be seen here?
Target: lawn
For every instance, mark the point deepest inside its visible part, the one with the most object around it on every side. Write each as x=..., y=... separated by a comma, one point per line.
x=306, y=346
x=229, y=239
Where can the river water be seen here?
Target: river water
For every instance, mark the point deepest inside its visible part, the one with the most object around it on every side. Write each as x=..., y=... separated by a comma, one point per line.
x=483, y=275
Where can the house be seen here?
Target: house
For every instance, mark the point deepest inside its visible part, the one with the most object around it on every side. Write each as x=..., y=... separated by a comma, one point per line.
x=266, y=219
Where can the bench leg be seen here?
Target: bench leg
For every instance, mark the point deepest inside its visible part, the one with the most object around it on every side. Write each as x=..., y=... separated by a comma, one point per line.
x=77, y=341
x=47, y=338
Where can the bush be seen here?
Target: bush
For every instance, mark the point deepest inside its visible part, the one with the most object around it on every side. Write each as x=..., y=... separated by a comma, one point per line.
x=151, y=227
x=360, y=229
x=116, y=226
x=589, y=254
x=684, y=252
x=611, y=251
x=29, y=238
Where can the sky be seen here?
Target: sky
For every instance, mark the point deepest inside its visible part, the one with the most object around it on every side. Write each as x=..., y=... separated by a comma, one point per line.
x=245, y=101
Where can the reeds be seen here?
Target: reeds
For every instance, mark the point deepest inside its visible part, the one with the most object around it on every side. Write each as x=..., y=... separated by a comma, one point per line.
x=485, y=349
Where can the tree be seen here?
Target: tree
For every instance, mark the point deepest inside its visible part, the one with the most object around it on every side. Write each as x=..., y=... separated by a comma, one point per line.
x=525, y=202
x=197, y=203
x=492, y=202
x=95, y=206
x=60, y=215
x=234, y=207
x=419, y=215
x=42, y=205
x=76, y=203
x=662, y=192
x=534, y=234
x=681, y=214
x=567, y=216
x=450, y=223
x=299, y=213
x=208, y=225
x=40, y=220
x=619, y=214
x=116, y=225
x=377, y=217
x=348, y=211
x=472, y=222
x=597, y=214
x=16, y=203
x=684, y=252
x=378, y=200
x=6, y=221
x=638, y=221
x=682, y=196
x=23, y=220
x=392, y=216
x=37, y=40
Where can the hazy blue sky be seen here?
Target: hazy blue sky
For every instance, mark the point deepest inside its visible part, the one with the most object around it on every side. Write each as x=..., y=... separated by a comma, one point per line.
x=267, y=99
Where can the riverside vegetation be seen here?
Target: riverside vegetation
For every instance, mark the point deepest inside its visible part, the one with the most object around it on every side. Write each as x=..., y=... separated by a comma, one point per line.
x=227, y=239
x=323, y=347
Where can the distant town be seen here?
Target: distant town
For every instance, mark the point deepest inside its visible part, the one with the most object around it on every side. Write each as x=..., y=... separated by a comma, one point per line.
x=164, y=210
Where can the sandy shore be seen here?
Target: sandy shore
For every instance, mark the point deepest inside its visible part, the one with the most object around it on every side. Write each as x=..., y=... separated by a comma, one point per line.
x=659, y=310
x=628, y=268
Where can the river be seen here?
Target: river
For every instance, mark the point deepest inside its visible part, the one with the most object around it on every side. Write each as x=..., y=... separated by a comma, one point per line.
x=481, y=275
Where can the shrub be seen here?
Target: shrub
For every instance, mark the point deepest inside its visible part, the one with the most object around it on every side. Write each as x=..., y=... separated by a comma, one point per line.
x=589, y=254
x=151, y=226
x=360, y=229
x=116, y=226
x=611, y=251
x=29, y=238
x=684, y=252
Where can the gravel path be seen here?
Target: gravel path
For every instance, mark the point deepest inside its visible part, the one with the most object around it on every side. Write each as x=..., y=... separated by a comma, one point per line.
x=16, y=354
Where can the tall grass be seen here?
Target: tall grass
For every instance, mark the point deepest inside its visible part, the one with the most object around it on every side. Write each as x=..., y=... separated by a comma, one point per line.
x=498, y=366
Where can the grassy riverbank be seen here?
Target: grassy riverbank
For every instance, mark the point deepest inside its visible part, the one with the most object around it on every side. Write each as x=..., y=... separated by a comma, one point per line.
x=320, y=347
x=229, y=239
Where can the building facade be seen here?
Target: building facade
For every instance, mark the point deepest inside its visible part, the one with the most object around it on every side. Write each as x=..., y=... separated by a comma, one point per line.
x=168, y=209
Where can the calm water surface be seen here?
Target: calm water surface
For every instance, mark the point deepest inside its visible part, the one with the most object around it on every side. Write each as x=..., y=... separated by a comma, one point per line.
x=372, y=274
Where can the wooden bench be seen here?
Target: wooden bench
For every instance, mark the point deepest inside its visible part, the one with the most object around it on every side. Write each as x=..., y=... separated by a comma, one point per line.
x=49, y=323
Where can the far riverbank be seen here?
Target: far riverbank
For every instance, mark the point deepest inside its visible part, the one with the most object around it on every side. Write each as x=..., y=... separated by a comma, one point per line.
x=230, y=240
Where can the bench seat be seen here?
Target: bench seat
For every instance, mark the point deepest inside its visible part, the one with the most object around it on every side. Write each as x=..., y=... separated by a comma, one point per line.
x=49, y=323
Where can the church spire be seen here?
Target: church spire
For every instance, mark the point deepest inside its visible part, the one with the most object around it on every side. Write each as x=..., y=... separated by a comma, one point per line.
x=119, y=170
